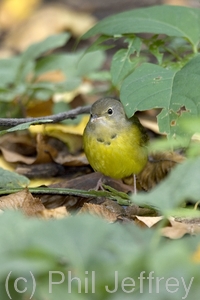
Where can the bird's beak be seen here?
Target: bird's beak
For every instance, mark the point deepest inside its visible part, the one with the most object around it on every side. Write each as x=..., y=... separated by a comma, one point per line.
x=96, y=118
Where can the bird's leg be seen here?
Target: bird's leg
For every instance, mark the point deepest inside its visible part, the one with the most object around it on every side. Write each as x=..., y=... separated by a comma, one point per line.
x=131, y=181
x=99, y=184
x=134, y=185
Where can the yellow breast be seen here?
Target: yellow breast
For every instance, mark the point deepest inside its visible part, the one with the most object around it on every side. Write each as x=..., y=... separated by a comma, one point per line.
x=116, y=155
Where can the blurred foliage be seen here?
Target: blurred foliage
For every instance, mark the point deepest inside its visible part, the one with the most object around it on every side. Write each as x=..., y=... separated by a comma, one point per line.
x=21, y=76
x=56, y=252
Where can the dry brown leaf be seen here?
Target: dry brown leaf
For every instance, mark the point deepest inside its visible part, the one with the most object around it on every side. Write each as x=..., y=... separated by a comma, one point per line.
x=32, y=206
x=149, y=221
x=13, y=157
x=71, y=135
x=157, y=168
x=42, y=149
x=13, y=201
x=179, y=229
x=71, y=160
x=98, y=210
x=56, y=213
x=46, y=21
x=150, y=124
x=46, y=170
x=113, y=207
x=18, y=148
x=45, y=151
x=39, y=108
x=22, y=200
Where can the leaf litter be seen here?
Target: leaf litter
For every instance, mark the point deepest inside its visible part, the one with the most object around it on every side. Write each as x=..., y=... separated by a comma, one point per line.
x=41, y=153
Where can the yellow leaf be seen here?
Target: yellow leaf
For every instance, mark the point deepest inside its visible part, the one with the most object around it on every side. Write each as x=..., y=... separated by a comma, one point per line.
x=196, y=255
x=14, y=10
x=56, y=129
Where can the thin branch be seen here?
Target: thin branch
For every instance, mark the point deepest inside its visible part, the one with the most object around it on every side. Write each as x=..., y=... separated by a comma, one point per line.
x=71, y=114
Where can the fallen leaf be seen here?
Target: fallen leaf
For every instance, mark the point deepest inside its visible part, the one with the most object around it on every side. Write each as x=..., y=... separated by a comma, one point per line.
x=157, y=168
x=149, y=221
x=45, y=151
x=22, y=200
x=13, y=201
x=71, y=160
x=39, y=108
x=113, y=207
x=30, y=206
x=99, y=211
x=56, y=213
x=56, y=129
x=71, y=135
x=18, y=148
x=179, y=229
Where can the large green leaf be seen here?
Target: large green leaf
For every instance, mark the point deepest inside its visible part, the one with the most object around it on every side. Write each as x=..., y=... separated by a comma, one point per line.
x=151, y=86
x=170, y=20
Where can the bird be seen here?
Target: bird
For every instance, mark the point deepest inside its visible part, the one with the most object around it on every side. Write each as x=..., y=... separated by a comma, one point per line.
x=114, y=144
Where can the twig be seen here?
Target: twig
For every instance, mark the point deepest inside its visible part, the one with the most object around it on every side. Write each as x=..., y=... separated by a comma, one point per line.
x=9, y=122
x=70, y=192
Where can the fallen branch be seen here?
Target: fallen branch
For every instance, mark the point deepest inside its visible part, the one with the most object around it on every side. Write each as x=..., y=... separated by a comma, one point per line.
x=71, y=114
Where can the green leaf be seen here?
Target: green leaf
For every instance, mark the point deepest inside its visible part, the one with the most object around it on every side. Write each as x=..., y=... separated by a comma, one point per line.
x=90, y=62
x=149, y=86
x=50, y=43
x=170, y=20
x=56, y=62
x=8, y=70
x=98, y=44
x=177, y=92
x=122, y=64
x=24, y=126
x=12, y=180
x=154, y=48
x=72, y=250
x=185, y=93
x=71, y=64
x=182, y=184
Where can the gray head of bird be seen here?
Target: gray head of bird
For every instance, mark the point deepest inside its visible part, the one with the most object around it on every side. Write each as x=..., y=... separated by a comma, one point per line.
x=107, y=111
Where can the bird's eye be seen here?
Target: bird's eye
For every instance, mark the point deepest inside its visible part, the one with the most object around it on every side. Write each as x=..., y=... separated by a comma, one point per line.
x=110, y=111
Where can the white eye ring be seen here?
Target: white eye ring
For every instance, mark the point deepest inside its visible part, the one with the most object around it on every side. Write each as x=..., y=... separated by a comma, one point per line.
x=110, y=111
